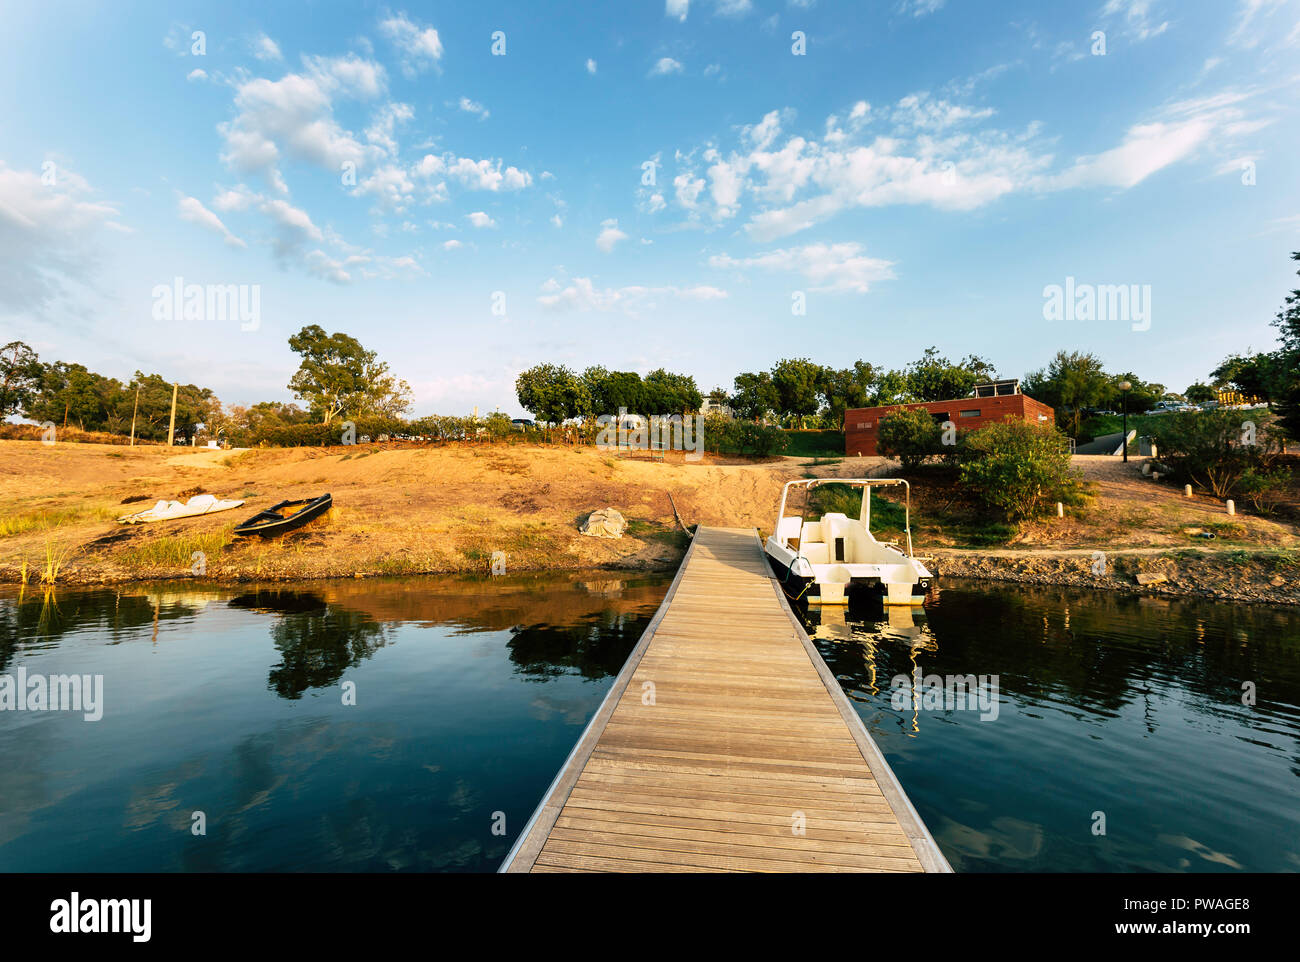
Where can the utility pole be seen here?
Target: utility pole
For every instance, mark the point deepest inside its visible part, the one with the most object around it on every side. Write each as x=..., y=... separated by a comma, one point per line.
x=133, y=410
x=171, y=428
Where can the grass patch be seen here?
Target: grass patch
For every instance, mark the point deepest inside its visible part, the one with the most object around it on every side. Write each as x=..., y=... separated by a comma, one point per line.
x=177, y=550
x=46, y=519
x=812, y=444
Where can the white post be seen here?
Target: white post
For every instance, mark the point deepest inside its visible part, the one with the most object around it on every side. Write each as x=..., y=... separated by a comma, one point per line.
x=1232, y=507
x=1187, y=491
x=1060, y=510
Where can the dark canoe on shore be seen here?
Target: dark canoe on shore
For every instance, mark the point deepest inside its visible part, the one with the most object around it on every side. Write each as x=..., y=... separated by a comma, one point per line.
x=275, y=521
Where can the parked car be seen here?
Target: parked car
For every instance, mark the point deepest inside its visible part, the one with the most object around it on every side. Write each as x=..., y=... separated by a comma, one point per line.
x=523, y=423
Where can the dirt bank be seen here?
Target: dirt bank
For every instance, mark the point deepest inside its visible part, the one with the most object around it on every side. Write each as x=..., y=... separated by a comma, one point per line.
x=435, y=509
x=397, y=510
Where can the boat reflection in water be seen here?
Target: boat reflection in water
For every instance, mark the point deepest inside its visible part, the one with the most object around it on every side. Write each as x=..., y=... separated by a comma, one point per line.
x=860, y=635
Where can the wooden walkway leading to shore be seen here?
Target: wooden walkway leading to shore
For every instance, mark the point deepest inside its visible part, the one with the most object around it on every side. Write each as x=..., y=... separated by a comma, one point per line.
x=725, y=744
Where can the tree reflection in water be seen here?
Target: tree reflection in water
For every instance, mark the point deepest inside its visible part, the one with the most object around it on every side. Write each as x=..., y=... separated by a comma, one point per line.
x=317, y=641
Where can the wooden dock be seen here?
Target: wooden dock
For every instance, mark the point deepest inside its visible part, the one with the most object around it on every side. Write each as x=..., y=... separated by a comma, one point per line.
x=725, y=744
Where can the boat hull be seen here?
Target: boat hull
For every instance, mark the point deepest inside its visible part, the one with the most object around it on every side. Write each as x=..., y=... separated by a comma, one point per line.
x=270, y=523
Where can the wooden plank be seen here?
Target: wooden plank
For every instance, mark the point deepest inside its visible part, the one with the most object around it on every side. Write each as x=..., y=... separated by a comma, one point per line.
x=748, y=757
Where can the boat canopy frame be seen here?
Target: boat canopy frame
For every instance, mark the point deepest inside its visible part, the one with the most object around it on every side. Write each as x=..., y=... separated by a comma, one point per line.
x=866, y=483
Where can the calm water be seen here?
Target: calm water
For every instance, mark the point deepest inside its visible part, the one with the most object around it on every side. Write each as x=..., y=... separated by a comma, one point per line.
x=1127, y=706
x=470, y=694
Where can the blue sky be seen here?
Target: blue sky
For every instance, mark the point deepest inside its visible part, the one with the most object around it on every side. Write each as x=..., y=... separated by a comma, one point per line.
x=919, y=175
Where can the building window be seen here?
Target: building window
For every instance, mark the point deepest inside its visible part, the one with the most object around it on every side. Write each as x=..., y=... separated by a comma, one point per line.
x=973, y=413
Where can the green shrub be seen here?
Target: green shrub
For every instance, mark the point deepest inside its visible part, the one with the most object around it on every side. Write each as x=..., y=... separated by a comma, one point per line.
x=911, y=435
x=1019, y=469
x=1216, y=450
x=745, y=438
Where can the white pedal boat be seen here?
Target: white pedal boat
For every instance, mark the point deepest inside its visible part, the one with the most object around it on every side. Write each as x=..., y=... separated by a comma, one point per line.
x=824, y=561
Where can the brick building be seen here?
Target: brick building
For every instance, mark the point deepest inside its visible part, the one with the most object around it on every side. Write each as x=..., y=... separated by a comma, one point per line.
x=991, y=402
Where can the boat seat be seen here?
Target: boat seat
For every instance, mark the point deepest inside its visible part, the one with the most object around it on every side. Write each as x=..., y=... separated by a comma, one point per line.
x=817, y=553
x=788, y=530
x=812, y=533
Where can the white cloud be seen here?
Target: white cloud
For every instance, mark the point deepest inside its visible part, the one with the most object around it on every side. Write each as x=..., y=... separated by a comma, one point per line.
x=677, y=8
x=920, y=8
x=938, y=153
x=609, y=236
x=733, y=8
x=1136, y=16
x=472, y=107
x=191, y=209
x=47, y=234
x=583, y=295
x=591, y=65
x=557, y=220
x=295, y=115
x=421, y=45
x=383, y=125
x=450, y=245
x=481, y=174
x=830, y=267
x=665, y=66
x=264, y=48
x=480, y=219
x=198, y=73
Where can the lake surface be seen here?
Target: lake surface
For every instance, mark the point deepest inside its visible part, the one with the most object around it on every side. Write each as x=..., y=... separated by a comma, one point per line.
x=1114, y=704
x=470, y=693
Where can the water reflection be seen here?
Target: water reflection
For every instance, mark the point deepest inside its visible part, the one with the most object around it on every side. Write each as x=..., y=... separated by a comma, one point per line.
x=470, y=694
x=1119, y=703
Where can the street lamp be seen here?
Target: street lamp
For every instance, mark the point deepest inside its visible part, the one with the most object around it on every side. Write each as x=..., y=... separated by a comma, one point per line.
x=1124, y=388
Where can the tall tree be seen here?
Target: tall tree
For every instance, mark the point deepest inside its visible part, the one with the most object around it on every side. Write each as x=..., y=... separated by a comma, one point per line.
x=798, y=387
x=339, y=377
x=846, y=388
x=1071, y=382
x=754, y=396
x=552, y=392
x=20, y=377
x=668, y=393
x=933, y=377
x=1287, y=384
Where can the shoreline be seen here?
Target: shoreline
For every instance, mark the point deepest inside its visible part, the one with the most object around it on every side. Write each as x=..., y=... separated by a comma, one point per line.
x=1231, y=575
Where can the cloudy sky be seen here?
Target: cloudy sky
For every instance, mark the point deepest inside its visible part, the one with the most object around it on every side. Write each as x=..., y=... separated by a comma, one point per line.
x=474, y=188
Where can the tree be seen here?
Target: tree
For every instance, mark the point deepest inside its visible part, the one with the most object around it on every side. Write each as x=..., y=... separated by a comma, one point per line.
x=1072, y=382
x=552, y=392
x=1217, y=449
x=1019, y=469
x=20, y=376
x=668, y=393
x=934, y=378
x=890, y=387
x=797, y=382
x=1142, y=395
x=71, y=394
x=846, y=388
x=911, y=435
x=1254, y=375
x=338, y=376
x=611, y=390
x=1287, y=386
x=1199, y=393
x=755, y=395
